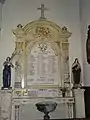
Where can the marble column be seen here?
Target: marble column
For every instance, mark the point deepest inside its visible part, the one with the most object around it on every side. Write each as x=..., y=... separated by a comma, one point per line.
x=70, y=110
x=17, y=110
x=79, y=103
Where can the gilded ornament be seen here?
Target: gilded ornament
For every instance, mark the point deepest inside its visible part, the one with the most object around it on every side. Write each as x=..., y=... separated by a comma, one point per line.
x=43, y=32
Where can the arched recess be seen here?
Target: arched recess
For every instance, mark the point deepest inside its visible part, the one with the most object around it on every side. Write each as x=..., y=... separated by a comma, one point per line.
x=43, y=63
x=43, y=32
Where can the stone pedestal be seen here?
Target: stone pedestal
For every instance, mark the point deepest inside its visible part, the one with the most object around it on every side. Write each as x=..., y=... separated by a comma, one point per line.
x=6, y=100
x=79, y=103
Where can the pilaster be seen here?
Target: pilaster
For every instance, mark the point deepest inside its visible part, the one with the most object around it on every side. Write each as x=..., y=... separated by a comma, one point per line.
x=79, y=103
x=6, y=99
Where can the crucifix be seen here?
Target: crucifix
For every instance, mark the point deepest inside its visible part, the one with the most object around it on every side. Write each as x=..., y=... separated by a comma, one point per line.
x=42, y=8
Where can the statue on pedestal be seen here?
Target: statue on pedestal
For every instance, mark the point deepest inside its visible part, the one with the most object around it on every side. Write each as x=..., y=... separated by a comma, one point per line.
x=7, y=73
x=76, y=70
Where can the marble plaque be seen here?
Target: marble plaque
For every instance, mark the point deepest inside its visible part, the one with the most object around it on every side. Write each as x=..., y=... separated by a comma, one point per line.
x=42, y=67
x=43, y=92
x=17, y=85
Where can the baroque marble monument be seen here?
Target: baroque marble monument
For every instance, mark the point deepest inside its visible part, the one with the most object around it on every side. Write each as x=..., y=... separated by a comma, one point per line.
x=41, y=59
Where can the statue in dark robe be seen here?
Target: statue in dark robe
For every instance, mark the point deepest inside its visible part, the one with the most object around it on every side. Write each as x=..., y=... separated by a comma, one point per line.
x=7, y=73
x=76, y=70
x=88, y=45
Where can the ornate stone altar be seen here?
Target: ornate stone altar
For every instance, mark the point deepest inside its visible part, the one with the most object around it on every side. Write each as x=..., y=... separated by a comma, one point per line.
x=41, y=52
x=41, y=58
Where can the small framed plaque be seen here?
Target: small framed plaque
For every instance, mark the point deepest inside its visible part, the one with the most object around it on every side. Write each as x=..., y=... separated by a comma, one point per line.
x=17, y=85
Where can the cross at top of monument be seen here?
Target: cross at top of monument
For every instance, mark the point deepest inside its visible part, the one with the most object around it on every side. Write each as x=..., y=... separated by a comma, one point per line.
x=42, y=8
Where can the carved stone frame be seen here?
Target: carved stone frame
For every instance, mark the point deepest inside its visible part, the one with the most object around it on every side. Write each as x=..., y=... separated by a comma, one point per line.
x=36, y=32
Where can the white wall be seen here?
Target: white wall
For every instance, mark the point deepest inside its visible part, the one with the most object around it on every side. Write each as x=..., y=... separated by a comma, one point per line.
x=85, y=21
x=62, y=12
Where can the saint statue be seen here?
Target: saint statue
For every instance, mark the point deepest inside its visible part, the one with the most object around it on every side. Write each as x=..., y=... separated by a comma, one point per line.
x=76, y=70
x=7, y=72
x=88, y=45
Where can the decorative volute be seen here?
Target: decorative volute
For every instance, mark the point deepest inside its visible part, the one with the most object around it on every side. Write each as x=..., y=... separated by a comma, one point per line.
x=19, y=32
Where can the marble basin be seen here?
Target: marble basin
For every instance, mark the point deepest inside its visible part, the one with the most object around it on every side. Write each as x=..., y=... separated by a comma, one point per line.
x=46, y=107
